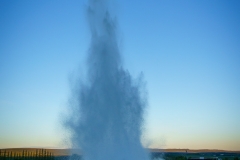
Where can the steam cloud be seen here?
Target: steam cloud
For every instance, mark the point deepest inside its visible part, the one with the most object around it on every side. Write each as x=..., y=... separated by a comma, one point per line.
x=106, y=110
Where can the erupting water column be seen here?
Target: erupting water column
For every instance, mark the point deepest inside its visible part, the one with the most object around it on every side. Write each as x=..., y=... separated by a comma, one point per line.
x=107, y=110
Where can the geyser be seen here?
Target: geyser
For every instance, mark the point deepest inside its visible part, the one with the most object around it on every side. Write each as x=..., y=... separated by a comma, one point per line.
x=107, y=109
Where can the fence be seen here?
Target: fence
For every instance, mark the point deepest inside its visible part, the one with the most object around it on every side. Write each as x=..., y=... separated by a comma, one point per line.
x=39, y=154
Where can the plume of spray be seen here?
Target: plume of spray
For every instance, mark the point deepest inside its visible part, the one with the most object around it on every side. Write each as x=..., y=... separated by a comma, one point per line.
x=107, y=110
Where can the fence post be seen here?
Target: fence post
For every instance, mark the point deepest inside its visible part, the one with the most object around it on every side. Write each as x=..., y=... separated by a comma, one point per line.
x=22, y=154
x=36, y=156
x=4, y=154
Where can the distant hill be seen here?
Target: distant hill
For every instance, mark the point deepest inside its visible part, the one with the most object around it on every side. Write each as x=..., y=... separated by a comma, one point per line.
x=65, y=152
x=192, y=150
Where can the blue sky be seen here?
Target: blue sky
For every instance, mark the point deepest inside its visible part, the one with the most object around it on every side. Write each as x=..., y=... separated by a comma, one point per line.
x=189, y=52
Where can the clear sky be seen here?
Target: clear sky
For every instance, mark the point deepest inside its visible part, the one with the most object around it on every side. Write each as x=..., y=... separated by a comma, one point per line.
x=189, y=52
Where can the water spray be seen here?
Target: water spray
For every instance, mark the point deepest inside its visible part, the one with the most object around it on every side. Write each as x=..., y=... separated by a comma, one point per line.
x=106, y=110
